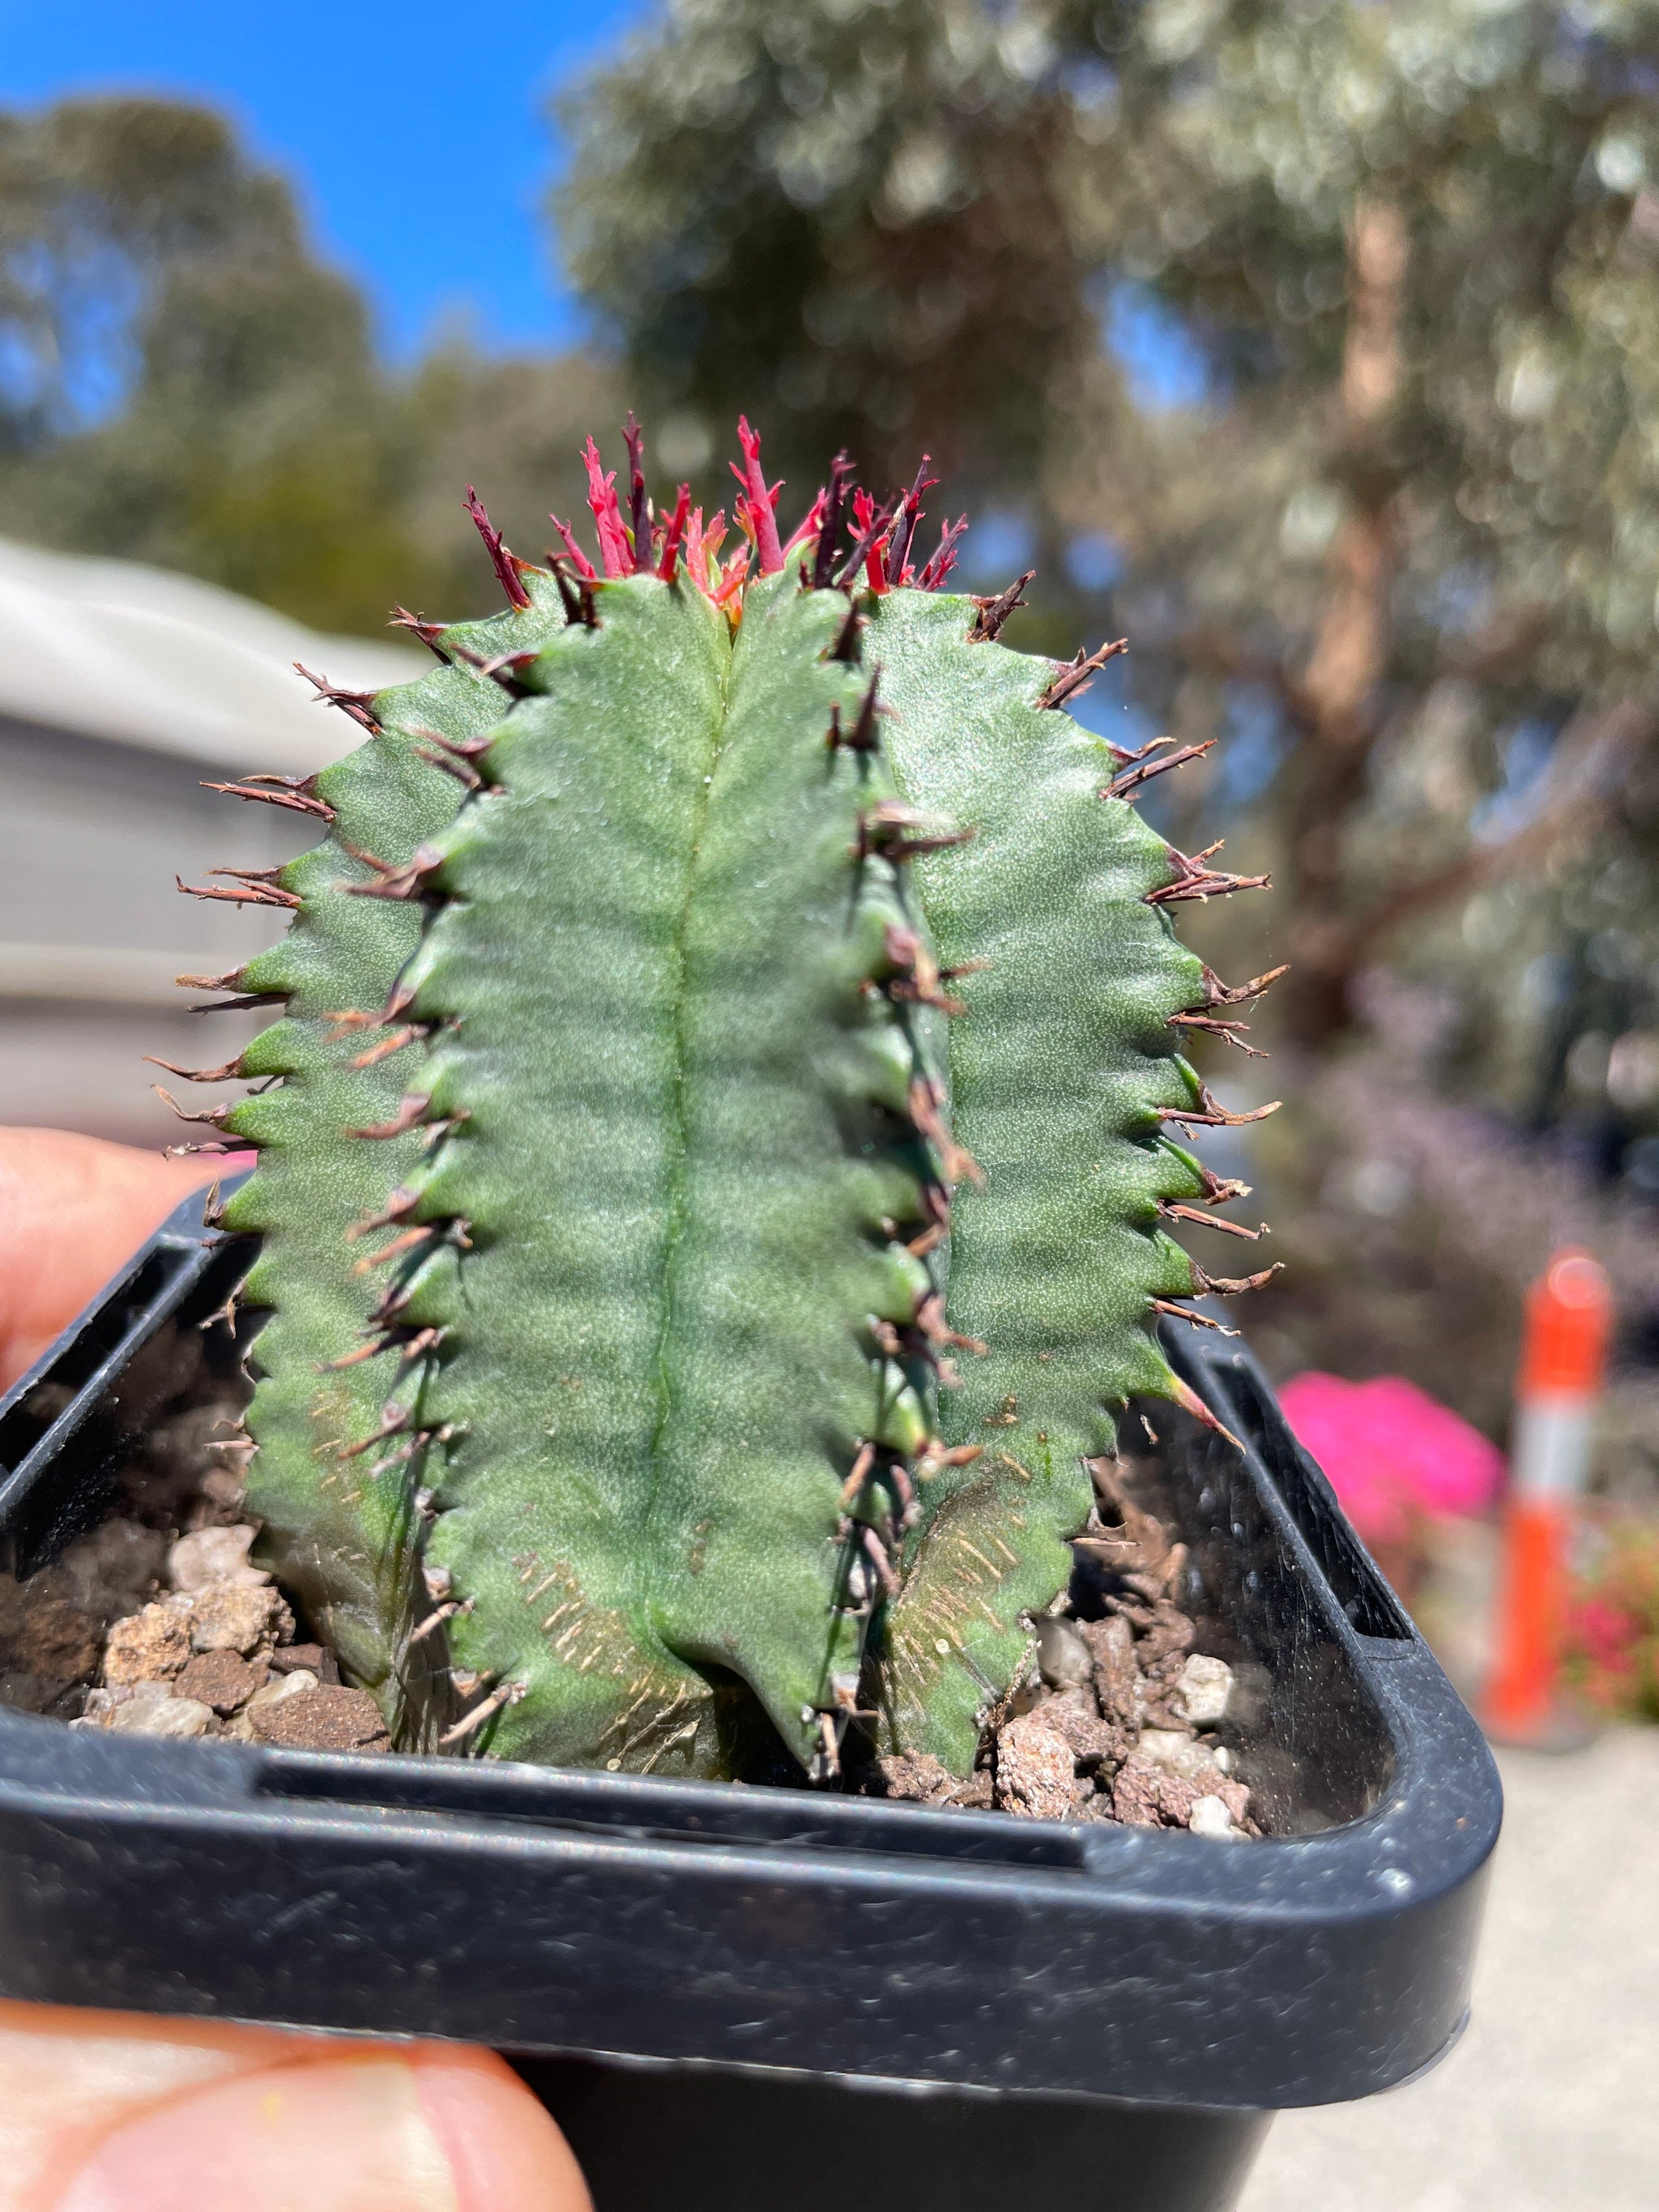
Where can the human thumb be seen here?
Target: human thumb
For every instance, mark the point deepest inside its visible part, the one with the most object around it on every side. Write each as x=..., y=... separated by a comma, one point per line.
x=376, y=2128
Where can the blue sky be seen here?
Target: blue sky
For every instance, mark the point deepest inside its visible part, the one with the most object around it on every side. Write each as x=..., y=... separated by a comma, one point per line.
x=415, y=134
x=413, y=130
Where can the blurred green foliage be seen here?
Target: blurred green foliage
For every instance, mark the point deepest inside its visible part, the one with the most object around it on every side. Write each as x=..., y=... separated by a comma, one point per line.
x=842, y=218
x=1324, y=335
x=182, y=382
x=1316, y=345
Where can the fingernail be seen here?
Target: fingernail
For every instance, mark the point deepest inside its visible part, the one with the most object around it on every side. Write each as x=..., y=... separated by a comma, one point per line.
x=503, y=2149
x=347, y=2135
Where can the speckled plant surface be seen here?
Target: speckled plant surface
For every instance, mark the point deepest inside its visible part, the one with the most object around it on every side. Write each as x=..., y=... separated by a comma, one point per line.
x=715, y=1150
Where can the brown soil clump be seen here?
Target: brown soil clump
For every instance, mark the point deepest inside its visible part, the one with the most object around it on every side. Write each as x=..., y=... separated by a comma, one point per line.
x=150, y=1647
x=222, y=1680
x=323, y=1720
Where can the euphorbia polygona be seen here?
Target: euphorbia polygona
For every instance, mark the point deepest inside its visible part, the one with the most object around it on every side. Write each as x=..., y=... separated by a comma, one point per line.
x=713, y=1150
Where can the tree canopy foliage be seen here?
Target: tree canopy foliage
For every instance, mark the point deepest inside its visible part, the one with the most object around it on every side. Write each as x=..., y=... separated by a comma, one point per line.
x=843, y=218
x=1403, y=527
x=1313, y=343
x=1397, y=522
x=182, y=381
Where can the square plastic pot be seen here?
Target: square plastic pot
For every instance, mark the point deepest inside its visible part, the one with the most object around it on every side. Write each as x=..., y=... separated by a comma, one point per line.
x=742, y=1997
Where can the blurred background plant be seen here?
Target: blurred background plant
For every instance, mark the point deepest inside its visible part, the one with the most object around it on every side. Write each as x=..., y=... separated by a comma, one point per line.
x=1612, y=1634
x=182, y=381
x=1316, y=346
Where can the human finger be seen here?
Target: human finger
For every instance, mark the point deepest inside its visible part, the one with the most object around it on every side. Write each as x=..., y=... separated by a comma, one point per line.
x=108, y=2112
x=71, y=1209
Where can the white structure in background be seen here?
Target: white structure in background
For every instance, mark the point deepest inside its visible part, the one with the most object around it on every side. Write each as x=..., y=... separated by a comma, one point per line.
x=122, y=690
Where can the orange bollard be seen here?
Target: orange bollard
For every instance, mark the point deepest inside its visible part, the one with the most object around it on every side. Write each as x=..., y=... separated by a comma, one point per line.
x=1569, y=1318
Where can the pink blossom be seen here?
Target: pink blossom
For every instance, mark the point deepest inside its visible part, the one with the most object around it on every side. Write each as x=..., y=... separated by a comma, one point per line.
x=1392, y=1453
x=1605, y=1633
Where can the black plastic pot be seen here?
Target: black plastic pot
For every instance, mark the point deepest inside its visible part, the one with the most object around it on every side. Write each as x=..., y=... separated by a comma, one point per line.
x=757, y=1998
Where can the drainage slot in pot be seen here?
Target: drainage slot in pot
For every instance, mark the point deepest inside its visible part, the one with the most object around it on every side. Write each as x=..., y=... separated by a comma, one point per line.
x=636, y=1809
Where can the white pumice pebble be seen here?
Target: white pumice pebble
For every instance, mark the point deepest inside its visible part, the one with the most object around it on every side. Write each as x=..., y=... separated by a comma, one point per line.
x=1210, y=1817
x=1162, y=1744
x=1063, y=1657
x=213, y=1555
x=103, y=1706
x=101, y=1703
x=1179, y=1753
x=161, y=1717
x=285, y=1685
x=1204, y=1688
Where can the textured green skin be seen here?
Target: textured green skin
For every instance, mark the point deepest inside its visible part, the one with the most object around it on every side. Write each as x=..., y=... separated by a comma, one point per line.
x=343, y=1545
x=658, y=1347
x=1057, y=1073
x=681, y=1199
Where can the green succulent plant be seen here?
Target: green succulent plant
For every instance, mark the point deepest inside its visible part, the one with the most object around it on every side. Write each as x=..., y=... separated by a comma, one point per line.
x=715, y=1149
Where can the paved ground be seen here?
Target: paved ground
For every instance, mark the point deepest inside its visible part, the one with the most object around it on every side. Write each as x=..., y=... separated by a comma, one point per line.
x=1551, y=2101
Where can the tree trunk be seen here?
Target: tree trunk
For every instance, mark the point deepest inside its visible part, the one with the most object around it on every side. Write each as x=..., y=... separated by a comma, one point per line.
x=1352, y=644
